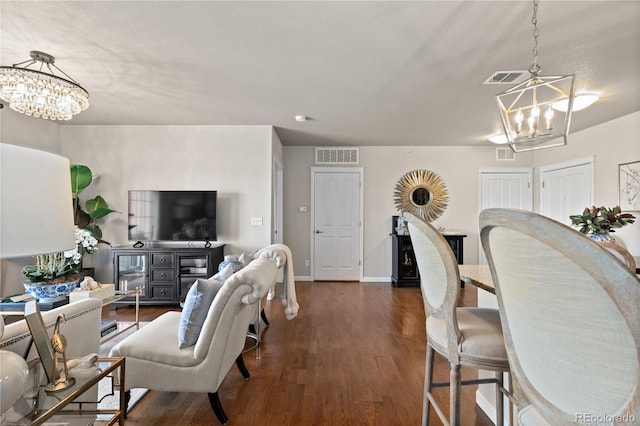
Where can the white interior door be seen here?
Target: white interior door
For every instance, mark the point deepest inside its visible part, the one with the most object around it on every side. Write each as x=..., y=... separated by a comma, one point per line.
x=566, y=189
x=508, y=188
x=336, y=225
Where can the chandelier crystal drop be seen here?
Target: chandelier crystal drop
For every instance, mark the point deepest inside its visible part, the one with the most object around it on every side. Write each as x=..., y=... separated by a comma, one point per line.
x=42, y=94
x=528, y=110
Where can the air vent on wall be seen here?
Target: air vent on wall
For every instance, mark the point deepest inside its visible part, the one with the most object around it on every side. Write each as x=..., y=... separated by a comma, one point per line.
x=335, y=155
x=505, y=154
x=507, y=77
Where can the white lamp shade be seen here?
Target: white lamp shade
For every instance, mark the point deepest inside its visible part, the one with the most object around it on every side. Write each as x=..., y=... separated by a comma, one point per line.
x=36, y=210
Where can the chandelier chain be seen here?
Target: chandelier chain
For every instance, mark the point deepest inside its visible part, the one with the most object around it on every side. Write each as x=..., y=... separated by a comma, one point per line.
x=534, y=20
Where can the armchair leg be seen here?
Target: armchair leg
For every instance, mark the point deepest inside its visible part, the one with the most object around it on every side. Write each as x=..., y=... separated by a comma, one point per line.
x=242, y=367
x=214, y=400
x=264, y=318
x=127, y=398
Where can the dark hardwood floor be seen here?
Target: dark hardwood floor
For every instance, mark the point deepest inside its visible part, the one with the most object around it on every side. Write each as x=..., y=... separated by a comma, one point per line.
x=354, y=355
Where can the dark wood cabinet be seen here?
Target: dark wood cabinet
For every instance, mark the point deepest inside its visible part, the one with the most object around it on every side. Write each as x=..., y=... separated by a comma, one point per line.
x=163, y=274
x=404, y=268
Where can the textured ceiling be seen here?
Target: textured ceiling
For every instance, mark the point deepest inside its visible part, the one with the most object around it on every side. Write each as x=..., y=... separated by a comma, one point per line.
x=366, y=73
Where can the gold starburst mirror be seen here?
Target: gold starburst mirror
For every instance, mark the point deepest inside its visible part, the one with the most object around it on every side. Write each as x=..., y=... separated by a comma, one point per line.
x=421, y=193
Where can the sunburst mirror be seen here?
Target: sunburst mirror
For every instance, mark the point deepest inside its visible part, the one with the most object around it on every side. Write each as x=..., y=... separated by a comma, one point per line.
x=421, y=193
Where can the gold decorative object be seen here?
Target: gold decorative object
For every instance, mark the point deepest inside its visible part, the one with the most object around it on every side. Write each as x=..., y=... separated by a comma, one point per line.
x=59, y=346
x=421, y=193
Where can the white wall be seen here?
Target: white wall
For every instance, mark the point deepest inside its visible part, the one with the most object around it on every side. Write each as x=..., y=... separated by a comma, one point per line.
x=611, y=143
x=19, y=129
x=234, y=160
x=384, y=166
x=614, y=142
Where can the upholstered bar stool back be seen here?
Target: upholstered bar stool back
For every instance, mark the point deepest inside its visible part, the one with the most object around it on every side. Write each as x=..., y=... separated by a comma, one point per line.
x=464, y=336
x=571, y=318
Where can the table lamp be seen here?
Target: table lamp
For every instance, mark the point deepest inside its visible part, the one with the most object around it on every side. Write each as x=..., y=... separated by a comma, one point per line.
x=36, y=217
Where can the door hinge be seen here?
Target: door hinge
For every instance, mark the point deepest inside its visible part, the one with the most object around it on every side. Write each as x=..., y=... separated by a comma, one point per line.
x=543, y=184
x=359, y=262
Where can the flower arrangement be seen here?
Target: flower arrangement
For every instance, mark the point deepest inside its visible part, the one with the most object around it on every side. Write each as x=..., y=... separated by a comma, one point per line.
x=601, y=219
x=62, y=266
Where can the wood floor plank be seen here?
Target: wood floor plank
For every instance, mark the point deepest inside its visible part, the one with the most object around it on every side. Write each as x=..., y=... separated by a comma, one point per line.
x=354, y=355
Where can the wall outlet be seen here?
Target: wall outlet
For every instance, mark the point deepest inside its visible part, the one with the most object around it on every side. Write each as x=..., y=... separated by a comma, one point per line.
x=306, y=262
x=256, y=221
x=303, y=209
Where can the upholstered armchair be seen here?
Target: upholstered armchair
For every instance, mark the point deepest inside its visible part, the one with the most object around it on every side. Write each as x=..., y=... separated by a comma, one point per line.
x=155, y=361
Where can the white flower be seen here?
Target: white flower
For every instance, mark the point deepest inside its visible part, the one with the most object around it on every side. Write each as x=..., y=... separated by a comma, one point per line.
x=85, y=240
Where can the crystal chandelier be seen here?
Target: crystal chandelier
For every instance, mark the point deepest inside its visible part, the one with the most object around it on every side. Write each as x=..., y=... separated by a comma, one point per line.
x=529, y=111
x=39, y=93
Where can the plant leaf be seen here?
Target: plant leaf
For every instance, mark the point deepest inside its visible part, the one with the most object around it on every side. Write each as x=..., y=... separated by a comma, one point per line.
x=80, y=178
x=81, y=218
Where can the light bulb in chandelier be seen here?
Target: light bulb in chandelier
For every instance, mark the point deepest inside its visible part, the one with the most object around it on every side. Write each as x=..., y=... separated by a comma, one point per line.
x=548, y=118
x=519, y=118
x=535, y=111
x=533, y=125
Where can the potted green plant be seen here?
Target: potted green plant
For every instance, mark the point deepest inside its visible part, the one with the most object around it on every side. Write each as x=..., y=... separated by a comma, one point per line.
x=599, y=222
x=55, y=275
x=94, y=209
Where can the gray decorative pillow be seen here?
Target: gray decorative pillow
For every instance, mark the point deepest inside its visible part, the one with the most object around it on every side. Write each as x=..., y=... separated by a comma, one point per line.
x=196, y=307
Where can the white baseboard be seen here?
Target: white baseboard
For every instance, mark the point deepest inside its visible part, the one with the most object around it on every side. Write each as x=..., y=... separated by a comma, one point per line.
x=375, y=280
x=487, y=406
x=490, y=410
x=363, y=280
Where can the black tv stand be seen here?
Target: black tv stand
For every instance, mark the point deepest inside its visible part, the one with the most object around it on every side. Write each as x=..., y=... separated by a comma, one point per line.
x=163, y=274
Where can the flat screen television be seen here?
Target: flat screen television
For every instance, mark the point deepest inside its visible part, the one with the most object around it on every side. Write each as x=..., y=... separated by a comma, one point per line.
x=172, y=215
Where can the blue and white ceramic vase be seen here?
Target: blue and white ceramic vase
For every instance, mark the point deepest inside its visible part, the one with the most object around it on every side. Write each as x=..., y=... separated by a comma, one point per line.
x=602, y=236
x=232, y=260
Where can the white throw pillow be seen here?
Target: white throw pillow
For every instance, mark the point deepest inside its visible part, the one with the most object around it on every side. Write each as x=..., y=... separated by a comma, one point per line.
x=245, y=259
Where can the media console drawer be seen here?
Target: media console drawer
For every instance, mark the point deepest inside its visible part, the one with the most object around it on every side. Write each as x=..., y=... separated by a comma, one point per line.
x=164, y=275
x=163, y=292
x=162, y=259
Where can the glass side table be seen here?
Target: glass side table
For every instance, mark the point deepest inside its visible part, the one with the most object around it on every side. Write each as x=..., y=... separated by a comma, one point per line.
x=77, y=405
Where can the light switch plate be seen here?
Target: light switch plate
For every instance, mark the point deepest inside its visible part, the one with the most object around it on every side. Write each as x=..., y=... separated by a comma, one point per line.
x=256, y=221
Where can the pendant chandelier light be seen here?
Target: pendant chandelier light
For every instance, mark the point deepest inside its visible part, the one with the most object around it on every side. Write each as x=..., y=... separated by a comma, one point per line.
x=39, y=93
x=528, y=110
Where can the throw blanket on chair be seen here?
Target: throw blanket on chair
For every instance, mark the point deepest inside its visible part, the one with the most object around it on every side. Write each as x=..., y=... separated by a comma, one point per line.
x=282, y=255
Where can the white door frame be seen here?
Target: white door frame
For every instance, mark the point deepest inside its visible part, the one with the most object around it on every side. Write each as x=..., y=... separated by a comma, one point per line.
x=589, y=160
x=277, y=231
x=360, y=171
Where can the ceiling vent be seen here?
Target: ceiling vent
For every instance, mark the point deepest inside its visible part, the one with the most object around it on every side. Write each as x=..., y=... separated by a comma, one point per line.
x=507, y=77
x=505, y=154
x=335, y=155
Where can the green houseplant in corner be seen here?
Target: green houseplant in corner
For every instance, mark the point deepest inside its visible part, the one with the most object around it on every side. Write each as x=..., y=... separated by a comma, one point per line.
x=599, y=222
x=94, y=209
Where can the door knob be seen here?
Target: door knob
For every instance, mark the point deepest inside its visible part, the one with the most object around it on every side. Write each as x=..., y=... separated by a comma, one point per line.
x=319, y=232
